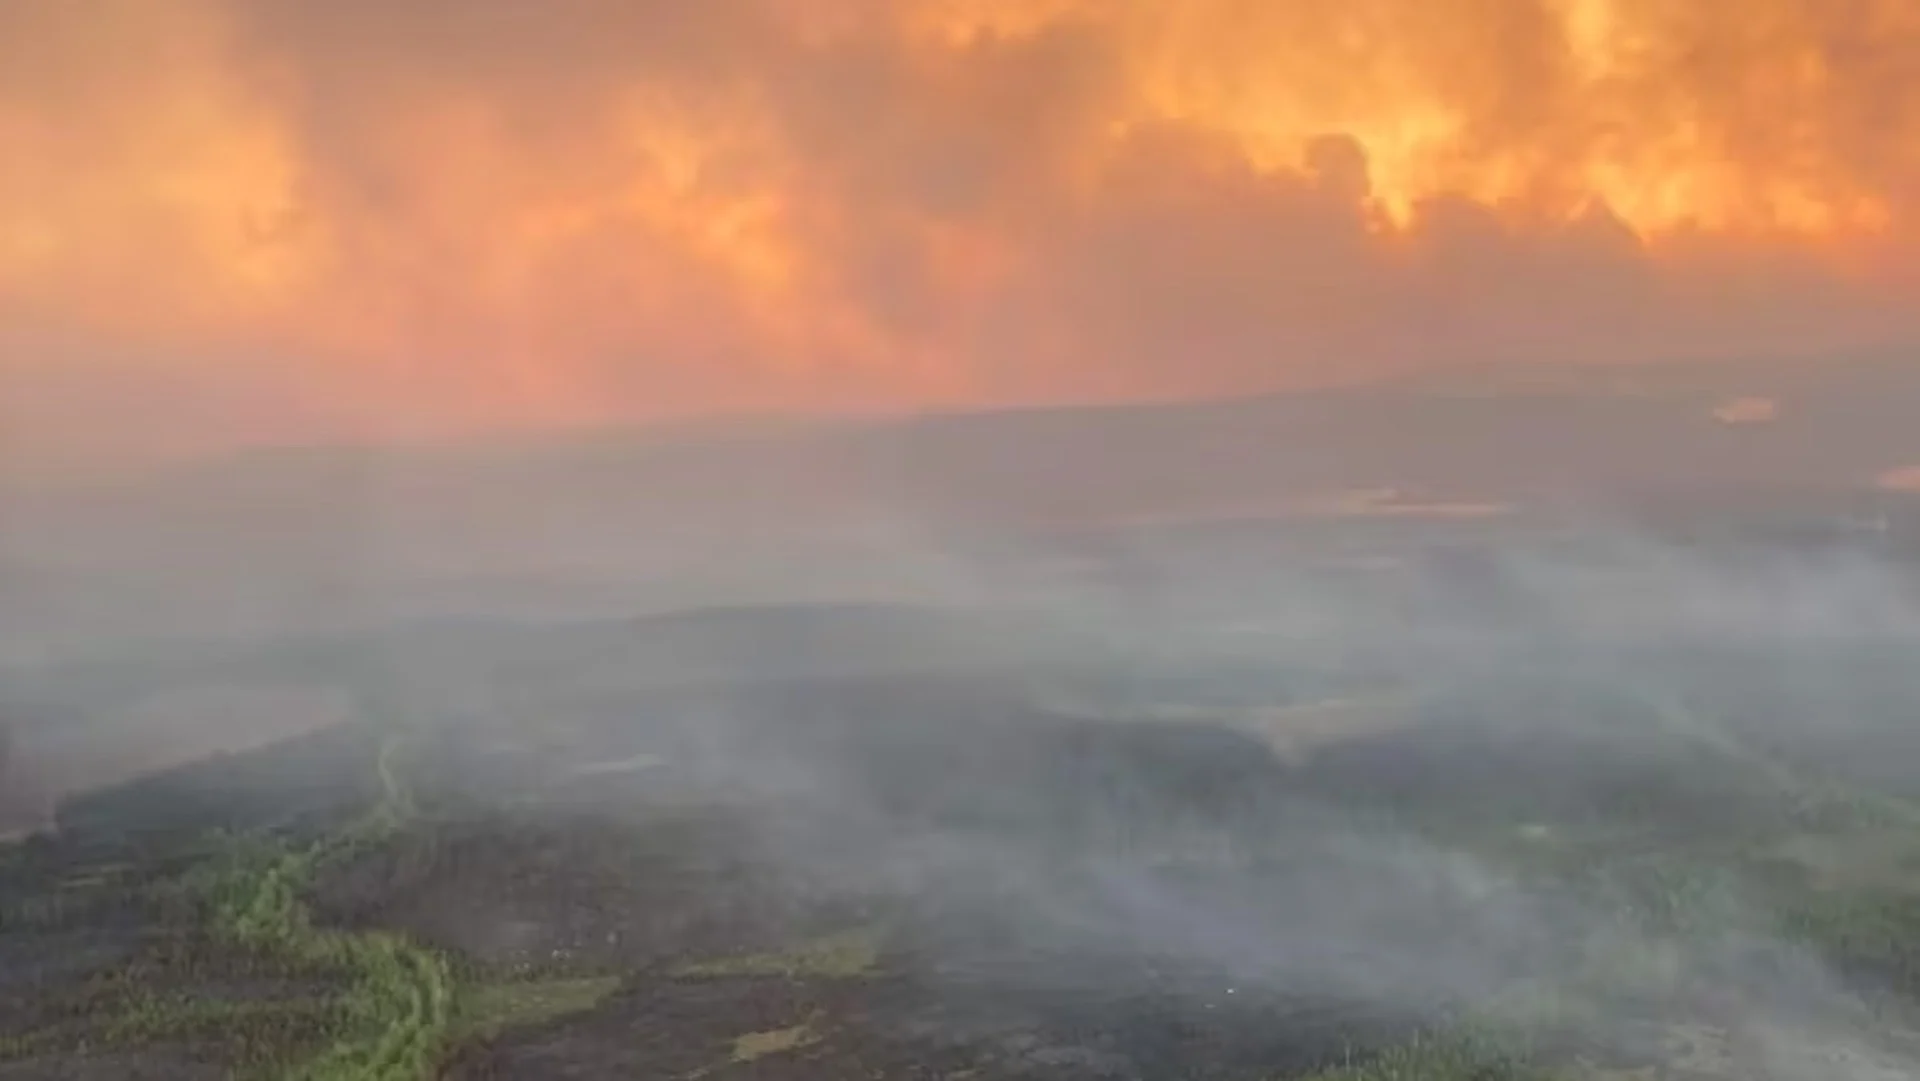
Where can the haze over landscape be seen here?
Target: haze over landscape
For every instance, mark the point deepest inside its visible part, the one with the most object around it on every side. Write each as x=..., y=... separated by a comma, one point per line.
x=960, y=540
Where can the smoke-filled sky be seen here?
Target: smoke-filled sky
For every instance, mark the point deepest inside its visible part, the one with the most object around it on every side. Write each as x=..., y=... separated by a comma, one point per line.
x=226, y=219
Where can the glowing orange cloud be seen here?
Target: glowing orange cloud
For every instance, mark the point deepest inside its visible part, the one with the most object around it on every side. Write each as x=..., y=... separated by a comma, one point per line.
x=446, y=213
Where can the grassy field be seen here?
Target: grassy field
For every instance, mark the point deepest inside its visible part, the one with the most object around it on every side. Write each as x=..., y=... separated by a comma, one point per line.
x=367, y=928
x=225, y=958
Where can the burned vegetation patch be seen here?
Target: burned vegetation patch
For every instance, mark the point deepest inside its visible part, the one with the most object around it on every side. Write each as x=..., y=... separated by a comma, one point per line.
x=901, y=878
x=522, y=891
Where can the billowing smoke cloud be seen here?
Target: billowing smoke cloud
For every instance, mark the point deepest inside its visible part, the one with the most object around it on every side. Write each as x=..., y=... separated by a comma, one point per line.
x=272, y=218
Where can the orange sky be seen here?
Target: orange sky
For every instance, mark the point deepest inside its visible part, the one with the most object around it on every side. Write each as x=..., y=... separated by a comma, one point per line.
x=235, y=219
